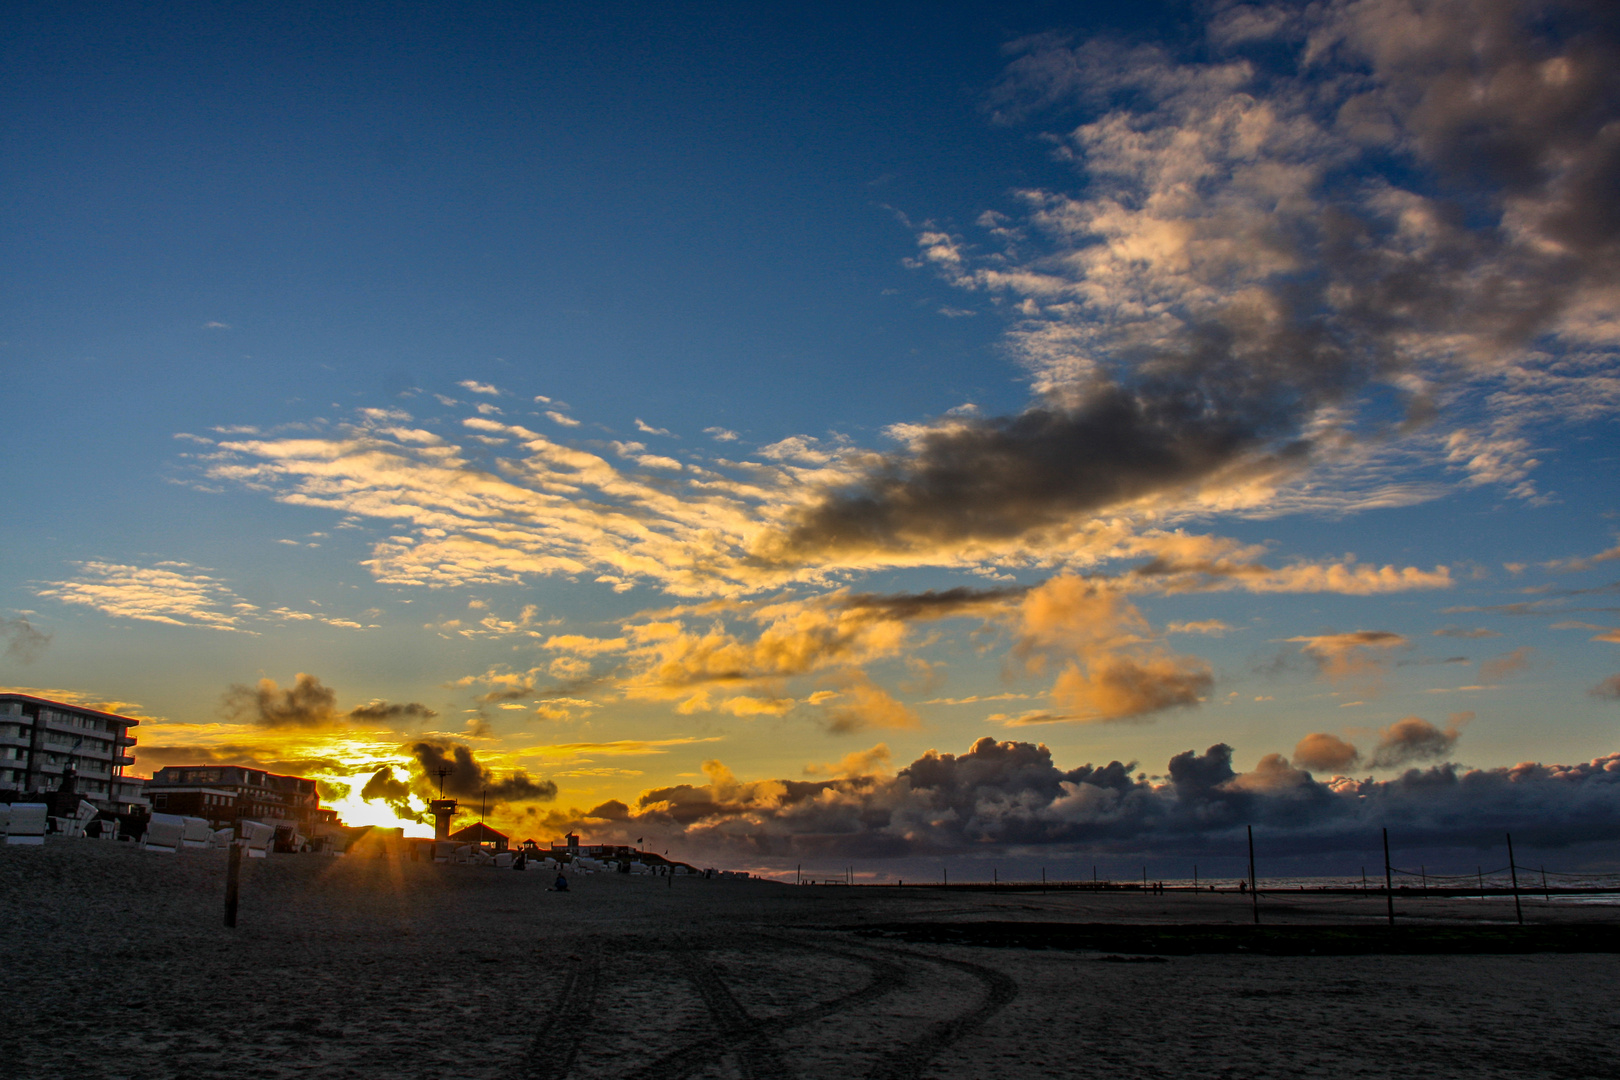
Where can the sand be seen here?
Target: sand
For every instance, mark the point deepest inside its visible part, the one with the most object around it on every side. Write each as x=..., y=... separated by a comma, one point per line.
x=119, y=966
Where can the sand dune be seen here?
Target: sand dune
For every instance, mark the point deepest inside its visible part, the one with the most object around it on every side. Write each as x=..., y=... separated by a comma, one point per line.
x=348, y=967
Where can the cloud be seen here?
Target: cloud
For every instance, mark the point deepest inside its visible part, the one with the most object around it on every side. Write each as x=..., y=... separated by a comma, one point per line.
x=1586, y=562
x=1124, y=688
x=468, y=779
x=1197, y=331
x=873, y=761
x=1608, y=689
x=1212, y=627
x=172, y=593
x=561, y=418
x=720, y=434
x=1415, y=739
x=23, y=643
x=863, y=704
x=309, y=703
x=643, y=426
x=1112, y=667
x=215, y=325
x=1005, y=795
x=1500, y=667
x=479, y=388
x=1353, y=656
x=395, y=793
x=1326, y=753
x=1460, y=632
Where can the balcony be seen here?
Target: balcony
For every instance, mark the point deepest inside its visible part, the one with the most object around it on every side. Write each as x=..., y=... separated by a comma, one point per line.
x=124, y=759
x=126, y=740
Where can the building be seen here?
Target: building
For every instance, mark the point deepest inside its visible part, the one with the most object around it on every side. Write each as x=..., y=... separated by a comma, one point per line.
x=482, y=835
x=43, y=742
x=226, y=794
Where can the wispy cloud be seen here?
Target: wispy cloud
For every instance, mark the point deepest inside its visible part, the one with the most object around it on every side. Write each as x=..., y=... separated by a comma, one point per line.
x=174, y=593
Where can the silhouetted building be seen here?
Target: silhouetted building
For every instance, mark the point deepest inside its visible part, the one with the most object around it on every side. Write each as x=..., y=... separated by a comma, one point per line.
x=42, y=740
x=482, y=835
x=226, y=794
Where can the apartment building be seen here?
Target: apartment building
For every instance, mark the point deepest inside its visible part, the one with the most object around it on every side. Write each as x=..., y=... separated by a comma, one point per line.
x=40, y=739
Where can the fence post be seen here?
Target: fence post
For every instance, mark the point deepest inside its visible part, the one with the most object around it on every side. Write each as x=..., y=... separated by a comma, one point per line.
x=1513, y=869
x=1389, y=881
x=1254, y=885
x=233, y=884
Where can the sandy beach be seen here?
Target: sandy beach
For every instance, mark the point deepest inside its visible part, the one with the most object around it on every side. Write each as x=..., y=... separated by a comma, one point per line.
x=351, y=967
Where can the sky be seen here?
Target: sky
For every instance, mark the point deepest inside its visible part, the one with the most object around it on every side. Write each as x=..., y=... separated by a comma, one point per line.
x=859, y=434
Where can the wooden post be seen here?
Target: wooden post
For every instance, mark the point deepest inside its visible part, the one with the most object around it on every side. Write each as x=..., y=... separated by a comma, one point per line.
x=1479, y=872
x=1389, y=881
x=1513, y=869
x=233, y=884
x=1195, y=877
x=1043, y=879
x=1144, y=879
x=1254, y=885
x=1545, y=895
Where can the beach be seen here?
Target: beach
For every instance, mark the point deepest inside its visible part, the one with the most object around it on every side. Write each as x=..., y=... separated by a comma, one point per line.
x=384, y=967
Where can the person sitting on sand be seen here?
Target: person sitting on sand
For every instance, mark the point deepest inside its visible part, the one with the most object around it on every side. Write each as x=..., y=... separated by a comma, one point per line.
x=561, y=884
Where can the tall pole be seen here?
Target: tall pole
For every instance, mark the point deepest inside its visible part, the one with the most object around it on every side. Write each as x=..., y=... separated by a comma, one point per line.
x=1513, y=868
x=1389, y=881
x=1254, y=885
x=1545, y=895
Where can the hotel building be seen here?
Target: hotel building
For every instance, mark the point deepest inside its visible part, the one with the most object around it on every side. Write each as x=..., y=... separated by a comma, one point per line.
x=40, y=738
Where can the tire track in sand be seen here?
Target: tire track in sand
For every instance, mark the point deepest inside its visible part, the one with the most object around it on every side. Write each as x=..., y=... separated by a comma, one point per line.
x=756, y=1055
x=556, y=1044
x=887, y=977
x=907, y=1061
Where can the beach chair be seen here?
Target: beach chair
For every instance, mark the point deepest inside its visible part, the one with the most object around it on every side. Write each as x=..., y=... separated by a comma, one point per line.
x=503, y=860
x=82, y=818
x=27, y=825
x=443, y=851
x=257, y=838
x=222, y=838
x=198, y=832
x=165, y=834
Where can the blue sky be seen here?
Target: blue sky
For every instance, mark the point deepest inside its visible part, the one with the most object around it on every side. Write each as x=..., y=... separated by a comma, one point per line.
x=676, y=407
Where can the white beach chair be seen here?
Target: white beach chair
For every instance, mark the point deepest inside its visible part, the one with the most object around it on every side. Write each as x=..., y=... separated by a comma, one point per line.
x=222, y=838
x=86, y=814
x=198, y=832
x=503, y=860
x=27, y=825
x=165, y=833
x=257, y=838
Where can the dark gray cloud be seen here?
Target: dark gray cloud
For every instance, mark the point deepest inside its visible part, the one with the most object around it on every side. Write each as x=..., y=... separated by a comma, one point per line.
x=394, y=792
x=1011, y=795
x=1003, y=477
x=310, y=703
x=1415, y=739
x=1608, y=689
x=468, y=779
x=23, y=643
x=932, y=604
x=383, y=712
